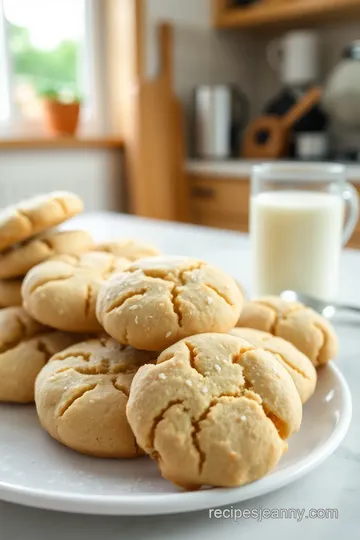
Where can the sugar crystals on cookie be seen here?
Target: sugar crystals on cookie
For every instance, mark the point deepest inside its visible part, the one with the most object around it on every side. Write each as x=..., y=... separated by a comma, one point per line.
x=158, y=300
x=213, y=411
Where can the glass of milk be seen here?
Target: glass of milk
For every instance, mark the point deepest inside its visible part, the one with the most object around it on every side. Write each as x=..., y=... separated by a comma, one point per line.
x=301, y=215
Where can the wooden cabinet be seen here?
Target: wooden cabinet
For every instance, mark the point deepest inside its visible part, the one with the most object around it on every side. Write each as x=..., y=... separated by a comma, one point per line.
x=219, y=202
x=291, y=13
x=223, y=202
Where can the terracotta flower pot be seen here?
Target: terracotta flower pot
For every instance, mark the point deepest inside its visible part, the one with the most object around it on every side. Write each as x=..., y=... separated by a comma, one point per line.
x=61, y=118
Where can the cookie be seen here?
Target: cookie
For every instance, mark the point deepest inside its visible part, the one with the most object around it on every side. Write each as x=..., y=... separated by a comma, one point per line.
x=30, y=217
x=25, y=346
x=62, y=292
x=22, y=360
x=214, y=411
x=311, y=333
x=20, y=259
x=295, y=362
x=81, y=397
x=160, y=300
x=10, y=292
x=130, y=249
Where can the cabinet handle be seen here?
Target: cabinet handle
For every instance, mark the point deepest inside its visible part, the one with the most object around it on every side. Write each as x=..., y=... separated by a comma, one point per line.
x=204, y=192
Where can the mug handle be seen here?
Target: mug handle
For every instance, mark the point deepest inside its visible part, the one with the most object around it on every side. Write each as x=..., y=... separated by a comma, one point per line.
x=351, y=199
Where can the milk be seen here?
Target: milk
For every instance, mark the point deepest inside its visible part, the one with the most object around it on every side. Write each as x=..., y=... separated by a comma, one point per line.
x=296, y=242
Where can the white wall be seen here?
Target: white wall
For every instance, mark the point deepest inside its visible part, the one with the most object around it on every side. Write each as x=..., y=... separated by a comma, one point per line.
x=183, y=12
x=93, y=174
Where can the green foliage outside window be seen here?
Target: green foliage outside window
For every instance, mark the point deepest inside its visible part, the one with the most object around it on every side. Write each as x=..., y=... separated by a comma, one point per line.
x=54, y=69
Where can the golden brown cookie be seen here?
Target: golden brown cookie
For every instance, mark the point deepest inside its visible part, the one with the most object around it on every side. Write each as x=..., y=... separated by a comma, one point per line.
x=10, y=292
x=81, y=397
x=62, y=292
x=25, y=346
x=160, y=300
x=128, y=248
x=294, y=361
x=214, y=411
x=311, y=333
x=20, y=259
x=30, y=217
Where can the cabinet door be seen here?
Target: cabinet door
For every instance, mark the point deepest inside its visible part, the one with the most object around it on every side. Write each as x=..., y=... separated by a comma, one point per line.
x=220, y=202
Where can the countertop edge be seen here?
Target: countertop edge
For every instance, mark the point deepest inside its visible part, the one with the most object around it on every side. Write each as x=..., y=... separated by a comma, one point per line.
x=241, y=169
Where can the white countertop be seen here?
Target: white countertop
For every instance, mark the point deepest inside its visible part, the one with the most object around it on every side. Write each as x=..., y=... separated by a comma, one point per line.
x=241, y=168
x=335, y=484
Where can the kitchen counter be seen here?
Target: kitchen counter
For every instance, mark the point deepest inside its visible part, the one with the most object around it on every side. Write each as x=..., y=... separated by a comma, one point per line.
x=335, y=484
x=241, y=168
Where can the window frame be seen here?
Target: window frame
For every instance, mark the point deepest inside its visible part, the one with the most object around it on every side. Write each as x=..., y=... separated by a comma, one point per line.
x=92, y=119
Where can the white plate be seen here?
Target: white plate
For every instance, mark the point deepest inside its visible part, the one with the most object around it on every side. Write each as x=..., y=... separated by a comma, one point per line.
x=37, y=471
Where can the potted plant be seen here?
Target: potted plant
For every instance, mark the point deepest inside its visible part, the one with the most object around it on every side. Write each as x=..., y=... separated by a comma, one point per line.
x=61, y=111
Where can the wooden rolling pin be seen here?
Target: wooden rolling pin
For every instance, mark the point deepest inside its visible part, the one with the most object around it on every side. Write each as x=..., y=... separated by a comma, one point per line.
x=268, y=136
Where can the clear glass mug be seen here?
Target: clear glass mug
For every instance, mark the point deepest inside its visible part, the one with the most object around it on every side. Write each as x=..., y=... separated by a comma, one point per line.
x=300, y=217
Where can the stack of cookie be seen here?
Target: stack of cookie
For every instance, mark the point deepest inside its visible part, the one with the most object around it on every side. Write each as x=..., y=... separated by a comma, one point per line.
x=20, y=249
x=168, y=380
x=64, y=270
x=27, y=238
x=178, y=366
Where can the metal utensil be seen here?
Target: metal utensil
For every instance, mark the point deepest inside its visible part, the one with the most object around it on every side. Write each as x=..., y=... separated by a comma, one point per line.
x=327, y=310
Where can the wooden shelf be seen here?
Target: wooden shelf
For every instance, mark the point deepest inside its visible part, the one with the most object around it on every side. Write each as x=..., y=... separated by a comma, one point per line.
x=284, y=13
x=60, y=143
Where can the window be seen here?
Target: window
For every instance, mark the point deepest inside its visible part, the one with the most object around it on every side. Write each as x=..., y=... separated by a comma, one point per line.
x=46, y=46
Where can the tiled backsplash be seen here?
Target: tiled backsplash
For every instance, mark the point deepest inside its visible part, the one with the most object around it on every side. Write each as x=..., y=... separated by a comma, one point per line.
x=203, y=56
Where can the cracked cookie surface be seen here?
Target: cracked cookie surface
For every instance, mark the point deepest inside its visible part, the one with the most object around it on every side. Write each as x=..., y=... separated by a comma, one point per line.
x=81, y=397
x=159, y=300
x=129, y=248
x=10, y=292
x=27, y=218
x=307, y=330
x=299, y=366
x=25, y=347
x=20, y=259
x=214, y=410
x=62, y=292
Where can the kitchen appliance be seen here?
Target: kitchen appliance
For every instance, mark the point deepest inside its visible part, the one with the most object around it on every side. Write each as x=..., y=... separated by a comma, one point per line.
x=219, y=113
x=341, y=98
x=295, y=57
x=268, y=136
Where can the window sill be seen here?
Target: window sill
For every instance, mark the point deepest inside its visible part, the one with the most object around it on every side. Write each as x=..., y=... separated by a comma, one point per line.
x=18, y=143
